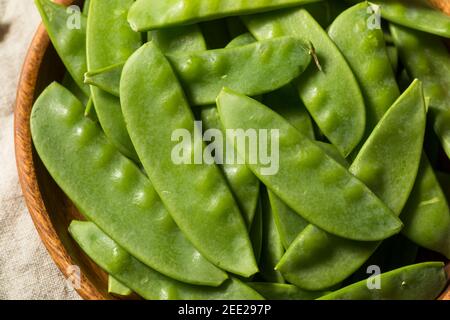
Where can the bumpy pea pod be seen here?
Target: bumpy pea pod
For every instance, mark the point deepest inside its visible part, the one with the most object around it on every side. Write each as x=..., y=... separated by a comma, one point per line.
x=321, y=190
x=245, y=69
x=116, y=287
x=426, y=215
x=426, y=58
x=365, y=51
x=415, y=14
x=145, y=281
x=332, y=96
x=147, y=15
x=423, y=281
x=110, y=41
x=272, y=247
x=243, y=182
x=111, y=191
x=68, y=38
x=283, y=291
x=156, y=111
x=317, y=260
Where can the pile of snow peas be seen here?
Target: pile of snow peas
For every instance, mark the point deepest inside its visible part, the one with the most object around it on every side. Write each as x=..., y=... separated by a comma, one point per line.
x=357, y=93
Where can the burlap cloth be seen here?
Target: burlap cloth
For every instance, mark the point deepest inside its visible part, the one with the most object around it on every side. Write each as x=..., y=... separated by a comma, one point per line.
x=26, y=269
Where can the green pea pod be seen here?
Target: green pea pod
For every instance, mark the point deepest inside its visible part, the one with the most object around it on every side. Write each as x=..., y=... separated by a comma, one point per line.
x=116, y=287
x=272, y=247
x=110, y=41
x=147, y=15
x=286, y=103
x=416, y=15
x=427, y=58
x=332, y=96
x=67, y=37
x=365, y=51
x=423, y=281
x=426, y=215
x=317, y=260
x=283, y=291
x=110, y=190
x=155, y=110
x=246, y=69
x=347, y=199
x=180, y=39
x=145, y=281
x=243, y=183
x=242, y=40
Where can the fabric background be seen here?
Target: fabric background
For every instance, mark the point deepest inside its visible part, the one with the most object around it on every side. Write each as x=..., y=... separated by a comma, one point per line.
x=26, y=269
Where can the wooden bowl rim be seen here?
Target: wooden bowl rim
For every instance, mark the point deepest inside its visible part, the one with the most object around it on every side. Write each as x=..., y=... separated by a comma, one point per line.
x=27, y=172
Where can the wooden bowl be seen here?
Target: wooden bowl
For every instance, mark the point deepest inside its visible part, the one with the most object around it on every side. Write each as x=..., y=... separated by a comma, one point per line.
x=50, y=209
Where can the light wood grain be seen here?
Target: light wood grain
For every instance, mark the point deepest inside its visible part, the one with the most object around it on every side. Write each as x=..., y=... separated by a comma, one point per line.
x=49, y=208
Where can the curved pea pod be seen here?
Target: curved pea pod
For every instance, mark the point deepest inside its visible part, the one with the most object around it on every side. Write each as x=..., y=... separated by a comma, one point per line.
x=179, y=39
x=332, y=96
x=145, y=281
x=157, y=112
x=426, y=215
x=242, y=40
x=243, y=183
x=283, y=291
x=68, y=38
x=110, y=190
x=388, y=164
x=416, y=15
x=426, y=58
x=110, y=41
x=245, y=69
x=365, y=50
x=423, y=281
x=317, y=176
x=272, y=248
x=146, y=15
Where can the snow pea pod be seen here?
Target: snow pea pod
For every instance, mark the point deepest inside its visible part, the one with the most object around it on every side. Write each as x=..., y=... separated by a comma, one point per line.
x=332, y=96
x=416, y=15
x=272, y=247
x=426, y=215
x=146, y=15
x=70, y=43
x=423, y=281
x=317, y=260
x=245, y=69
x=365, y=51
x=317, y=176
x=145, y=281
x=283, y=291
x=110, y=41
x=156, y=110
x=427, y=58
x=111, y=191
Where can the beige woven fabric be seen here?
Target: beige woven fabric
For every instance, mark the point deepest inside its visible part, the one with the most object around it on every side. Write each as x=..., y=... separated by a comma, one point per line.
x=26, y=269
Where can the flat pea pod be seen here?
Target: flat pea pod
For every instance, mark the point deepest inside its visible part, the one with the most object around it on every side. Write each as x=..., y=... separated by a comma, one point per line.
x=69, y=40
x=365, y=51
x=243, y=183
x=415, y=15
x=426, y=58
x=284, y=291
x=332, y=96
x=272, y=247
x=110, y=41
x=145, y=281
x=241, y=40
x=426, y=216
x=147, y=15
x=116, y=287
x=317, y=176
x=111, y=191
x=317, y=260
x=423, y=281
x=246, y=68
x=155, y=109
